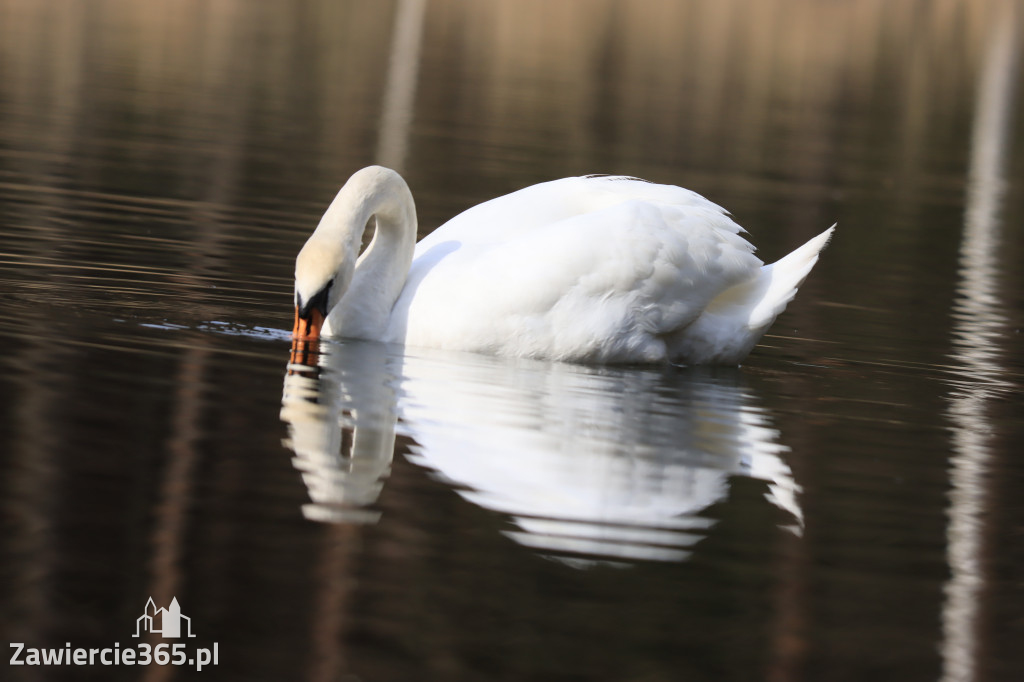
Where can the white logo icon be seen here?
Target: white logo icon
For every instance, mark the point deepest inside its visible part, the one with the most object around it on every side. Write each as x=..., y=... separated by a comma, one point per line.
x=169, y=620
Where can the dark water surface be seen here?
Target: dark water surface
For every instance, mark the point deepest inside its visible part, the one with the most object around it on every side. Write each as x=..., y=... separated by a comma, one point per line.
x=845, y=506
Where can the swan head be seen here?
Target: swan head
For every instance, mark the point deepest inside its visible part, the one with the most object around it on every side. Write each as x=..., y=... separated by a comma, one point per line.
x=322, y=274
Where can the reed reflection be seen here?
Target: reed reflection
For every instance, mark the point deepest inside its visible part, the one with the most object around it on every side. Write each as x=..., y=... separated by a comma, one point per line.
x=587, y=463
x=979, y=326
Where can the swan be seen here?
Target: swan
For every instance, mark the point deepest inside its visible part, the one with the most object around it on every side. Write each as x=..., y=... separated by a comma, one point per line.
x=594, y=269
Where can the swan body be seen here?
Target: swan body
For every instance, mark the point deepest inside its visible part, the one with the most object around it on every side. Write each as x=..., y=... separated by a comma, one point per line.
x=599, y=269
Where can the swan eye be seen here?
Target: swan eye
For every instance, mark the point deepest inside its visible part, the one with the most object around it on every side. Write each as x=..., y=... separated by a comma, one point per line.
x=317, y=302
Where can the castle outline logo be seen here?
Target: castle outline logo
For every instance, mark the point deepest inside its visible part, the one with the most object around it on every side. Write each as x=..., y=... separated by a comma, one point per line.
x=166, y=622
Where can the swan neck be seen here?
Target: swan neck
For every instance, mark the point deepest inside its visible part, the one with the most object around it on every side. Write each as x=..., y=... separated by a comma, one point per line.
x=364, y=310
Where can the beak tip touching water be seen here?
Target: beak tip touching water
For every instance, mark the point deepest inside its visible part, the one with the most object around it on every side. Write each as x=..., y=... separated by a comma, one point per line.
x=305, y=338
x=307, y=328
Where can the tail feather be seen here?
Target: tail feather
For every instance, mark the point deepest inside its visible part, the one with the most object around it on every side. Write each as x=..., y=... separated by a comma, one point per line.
x=734, y=321
x=783, y=277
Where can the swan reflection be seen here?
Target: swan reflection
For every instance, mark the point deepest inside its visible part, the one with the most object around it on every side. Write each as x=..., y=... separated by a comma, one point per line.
x=588, y=462
x=341, y=427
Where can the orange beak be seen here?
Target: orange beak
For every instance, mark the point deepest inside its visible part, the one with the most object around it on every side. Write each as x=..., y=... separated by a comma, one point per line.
x=305, y=338
x=307, y=330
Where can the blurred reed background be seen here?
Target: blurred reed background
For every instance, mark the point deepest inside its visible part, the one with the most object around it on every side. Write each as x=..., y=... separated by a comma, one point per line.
x=277, y=99
x=232, y=107
x=252, y=113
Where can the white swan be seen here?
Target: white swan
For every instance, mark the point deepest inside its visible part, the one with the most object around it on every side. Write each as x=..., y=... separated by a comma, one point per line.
x=591, y=269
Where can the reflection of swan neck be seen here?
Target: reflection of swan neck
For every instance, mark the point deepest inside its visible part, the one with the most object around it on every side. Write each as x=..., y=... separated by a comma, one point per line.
x=341, y=427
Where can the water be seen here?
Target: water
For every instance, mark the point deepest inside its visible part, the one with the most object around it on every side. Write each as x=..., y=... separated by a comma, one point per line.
x=844, y=506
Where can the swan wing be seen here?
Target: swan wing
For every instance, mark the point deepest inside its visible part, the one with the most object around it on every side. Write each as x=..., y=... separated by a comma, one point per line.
x=584, y=269
x=538, y=206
